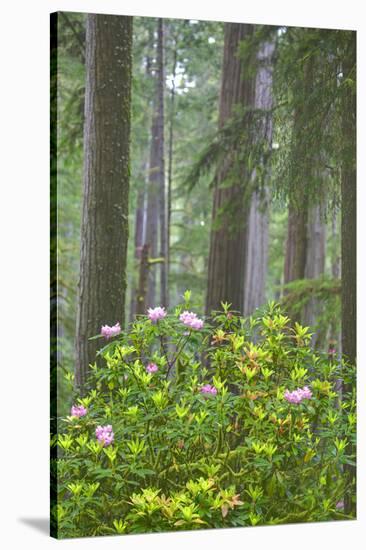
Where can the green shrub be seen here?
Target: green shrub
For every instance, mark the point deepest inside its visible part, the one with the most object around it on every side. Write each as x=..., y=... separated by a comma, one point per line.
x=207, y=438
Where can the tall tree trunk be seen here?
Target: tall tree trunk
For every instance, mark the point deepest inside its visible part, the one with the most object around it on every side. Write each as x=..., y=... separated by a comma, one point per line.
x=315, y=258
x=156, y=183
x=104, y=228
x=314, y=268
x=296, y=244
x=257, y=254
x=298, y=210
x=161, y=168
x=151, y=239
x=258, y=223
x=141, y=218
x=335, y=332
x=170, y=155
x=348, y=229
x=226, y=268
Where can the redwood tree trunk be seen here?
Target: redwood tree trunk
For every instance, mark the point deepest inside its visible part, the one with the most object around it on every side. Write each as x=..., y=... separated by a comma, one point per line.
x=104, y=228
x=170, y=155
x=156, y=183
x=298, y=210
x=349, y=210
x=256, y=255
x=257, y=235
x=226, y=266
x=348, y=230
x=296, y=244
x=151, y=239
x=161, y=168
x=314, y=268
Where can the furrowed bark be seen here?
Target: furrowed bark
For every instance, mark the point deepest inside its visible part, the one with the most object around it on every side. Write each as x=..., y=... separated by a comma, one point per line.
x=104, y=228
x=257, y=236
x=226, y=266
x=348, y=230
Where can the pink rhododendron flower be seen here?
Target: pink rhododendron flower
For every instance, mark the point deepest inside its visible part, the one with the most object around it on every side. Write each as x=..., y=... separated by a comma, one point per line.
x=208, y=389
x=151, y=367
x=298, y=395
x=78, y=411
x=191, y=320
x=156, y=313
x=292, y=397
x=306, y=393
x=109, y=332
x=104, y=435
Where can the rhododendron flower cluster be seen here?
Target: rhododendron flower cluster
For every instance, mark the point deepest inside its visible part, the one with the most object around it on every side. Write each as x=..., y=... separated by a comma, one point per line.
x=109, y=332
x=191, y=320
x=104, y=435
x=151, y=367
x=78, y=411
x=156, y=313
x=208, y=389
x=298, y=395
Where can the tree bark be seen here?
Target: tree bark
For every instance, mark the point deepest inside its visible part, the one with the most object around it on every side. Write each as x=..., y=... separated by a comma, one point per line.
x=156, y=183
x=161, y=168
x=226, y=266
x=170, y=155
x=151, y=239
x=296, y=244
x=302, y=169
x=257, y=254
x=104, y=228
x=348, y=230
x=258, y=224
x=349, y=211
x=314, y=268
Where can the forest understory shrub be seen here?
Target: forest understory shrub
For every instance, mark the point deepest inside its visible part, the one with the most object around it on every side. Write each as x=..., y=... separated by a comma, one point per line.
x=192, y=424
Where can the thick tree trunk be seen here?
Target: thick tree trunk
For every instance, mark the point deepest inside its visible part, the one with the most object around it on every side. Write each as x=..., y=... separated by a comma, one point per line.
x=349, y=212
x=104, y=229
x=257, y=255
x=314, y=268
x=335, y=332
x=298, y=210
x=296, y=244
x=226, y=267
x=257, y=235
x=315, y=258
x=348, y=230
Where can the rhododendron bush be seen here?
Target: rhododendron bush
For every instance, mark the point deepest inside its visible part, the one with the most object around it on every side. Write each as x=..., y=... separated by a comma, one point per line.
x=191, y=423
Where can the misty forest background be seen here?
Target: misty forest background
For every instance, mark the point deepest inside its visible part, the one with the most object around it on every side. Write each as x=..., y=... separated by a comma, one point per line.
x=215, y=157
